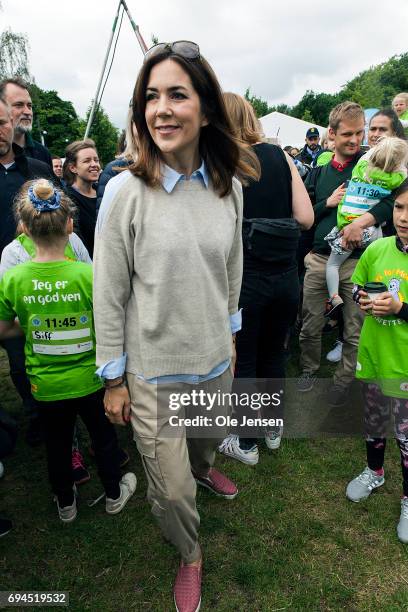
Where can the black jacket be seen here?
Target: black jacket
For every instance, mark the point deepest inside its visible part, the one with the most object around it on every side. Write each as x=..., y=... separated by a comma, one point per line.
x=23, y=169
x=36, y=150
x=305, y=157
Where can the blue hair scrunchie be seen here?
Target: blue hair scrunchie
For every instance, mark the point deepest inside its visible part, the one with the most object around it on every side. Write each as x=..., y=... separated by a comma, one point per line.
x=51, y=203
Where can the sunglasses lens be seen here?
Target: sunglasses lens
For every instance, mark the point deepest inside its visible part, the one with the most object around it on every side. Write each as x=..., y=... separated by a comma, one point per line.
x=186, y=48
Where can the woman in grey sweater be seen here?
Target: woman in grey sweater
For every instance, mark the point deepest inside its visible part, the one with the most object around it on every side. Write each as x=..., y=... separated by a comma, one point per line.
x=168, y=268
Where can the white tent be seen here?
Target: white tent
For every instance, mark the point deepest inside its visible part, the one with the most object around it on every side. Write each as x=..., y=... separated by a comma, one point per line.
x=285, y=130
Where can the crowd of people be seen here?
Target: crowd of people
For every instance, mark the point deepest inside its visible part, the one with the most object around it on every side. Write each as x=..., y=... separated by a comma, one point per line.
x=188, y=261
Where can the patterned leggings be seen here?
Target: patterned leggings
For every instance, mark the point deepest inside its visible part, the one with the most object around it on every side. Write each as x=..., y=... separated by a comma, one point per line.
x=378, y=409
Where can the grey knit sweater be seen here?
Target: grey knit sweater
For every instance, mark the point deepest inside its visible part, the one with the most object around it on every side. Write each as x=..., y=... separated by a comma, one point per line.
x=167, y=274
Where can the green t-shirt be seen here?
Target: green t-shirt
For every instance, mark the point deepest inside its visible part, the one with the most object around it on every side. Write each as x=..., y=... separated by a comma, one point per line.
x=382, y=350
x=404, y=117
x=29, y=246
x=362, y=194
x=53, y=302
x=324, y=158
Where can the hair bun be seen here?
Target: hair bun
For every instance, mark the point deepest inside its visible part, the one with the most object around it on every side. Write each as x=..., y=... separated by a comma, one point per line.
x=43, y=189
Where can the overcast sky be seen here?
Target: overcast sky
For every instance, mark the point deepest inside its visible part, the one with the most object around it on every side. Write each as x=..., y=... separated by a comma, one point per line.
x=278, y=49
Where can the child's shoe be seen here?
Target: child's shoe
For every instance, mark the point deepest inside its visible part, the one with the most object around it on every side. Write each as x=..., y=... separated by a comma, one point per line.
x=402, y=527
x=67, y=514
x=364, y=484
x=273, y=438
x=231, y=448
x=127, y=487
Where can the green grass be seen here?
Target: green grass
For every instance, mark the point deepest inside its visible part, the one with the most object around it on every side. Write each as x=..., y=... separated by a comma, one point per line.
x=290, y=540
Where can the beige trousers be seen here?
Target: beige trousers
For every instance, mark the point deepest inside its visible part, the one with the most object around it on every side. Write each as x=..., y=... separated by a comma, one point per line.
x=314, y=295
x=168, y=456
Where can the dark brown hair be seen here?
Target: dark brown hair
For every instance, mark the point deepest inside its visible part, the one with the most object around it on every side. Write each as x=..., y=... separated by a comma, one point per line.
x=71, y=154
x=396, y=125
x=12, y=81
x=46, y=227
x=403, y=188
x=222, y=153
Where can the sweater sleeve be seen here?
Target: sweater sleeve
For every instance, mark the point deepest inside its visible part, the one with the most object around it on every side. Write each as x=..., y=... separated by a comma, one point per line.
x=79, y=248
x=321, y=210
x=12, y=255
x=113, y=271
x=235, y=257
x=382, y=212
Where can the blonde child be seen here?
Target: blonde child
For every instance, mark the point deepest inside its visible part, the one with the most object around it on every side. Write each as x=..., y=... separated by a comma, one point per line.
x=400, y=106
x=52, y=297
x=375, y=176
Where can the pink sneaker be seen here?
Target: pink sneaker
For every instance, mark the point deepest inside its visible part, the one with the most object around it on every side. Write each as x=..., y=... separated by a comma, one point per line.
x=187, y=588
x=217, y=483
x=79, y=472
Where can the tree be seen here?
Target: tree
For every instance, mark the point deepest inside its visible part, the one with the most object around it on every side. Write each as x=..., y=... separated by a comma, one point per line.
x=377, y=86
x=315, y=106
x=261, y=107
x=307, y=116
x=284, y=108
x=14, y=55
x=54, y=119
x=104, y=133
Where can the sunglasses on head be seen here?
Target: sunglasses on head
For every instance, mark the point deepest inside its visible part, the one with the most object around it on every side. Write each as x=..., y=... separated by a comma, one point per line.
x=185, y=48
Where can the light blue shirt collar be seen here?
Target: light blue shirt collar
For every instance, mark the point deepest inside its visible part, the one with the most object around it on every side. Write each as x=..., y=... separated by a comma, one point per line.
x=171, y=177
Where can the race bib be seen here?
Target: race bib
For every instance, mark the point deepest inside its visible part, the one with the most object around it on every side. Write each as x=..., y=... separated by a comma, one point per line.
x=361, y=197
x=56, y=334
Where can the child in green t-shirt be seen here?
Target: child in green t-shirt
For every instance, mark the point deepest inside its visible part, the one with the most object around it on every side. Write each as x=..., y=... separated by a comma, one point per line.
x=374, y=177
x=382, y=360
x=52, y=297
x=400, y=106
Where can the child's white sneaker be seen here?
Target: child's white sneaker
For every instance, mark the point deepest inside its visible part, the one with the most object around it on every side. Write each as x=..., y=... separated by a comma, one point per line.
x=273, y=438
x=127, y=487
x=402, y=527
x=67, y=514
x=363, y=485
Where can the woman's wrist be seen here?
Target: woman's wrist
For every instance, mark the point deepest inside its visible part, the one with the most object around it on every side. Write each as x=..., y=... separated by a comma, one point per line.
x=114, y=383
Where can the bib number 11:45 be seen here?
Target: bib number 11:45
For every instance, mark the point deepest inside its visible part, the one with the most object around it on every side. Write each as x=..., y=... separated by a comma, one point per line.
x=67, y=322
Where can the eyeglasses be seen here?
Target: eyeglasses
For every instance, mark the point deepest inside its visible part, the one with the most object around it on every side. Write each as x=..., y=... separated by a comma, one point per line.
x=184, y=48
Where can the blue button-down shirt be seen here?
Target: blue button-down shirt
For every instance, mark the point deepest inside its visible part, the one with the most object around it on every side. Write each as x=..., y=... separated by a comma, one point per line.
x=116, y=367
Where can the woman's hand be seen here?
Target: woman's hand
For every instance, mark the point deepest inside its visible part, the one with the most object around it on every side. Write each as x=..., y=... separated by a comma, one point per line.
x=385, y=305
x=117, y=405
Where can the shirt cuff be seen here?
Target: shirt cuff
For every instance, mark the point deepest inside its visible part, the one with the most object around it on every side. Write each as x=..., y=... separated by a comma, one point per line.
x=236, y=321
x=112, y=369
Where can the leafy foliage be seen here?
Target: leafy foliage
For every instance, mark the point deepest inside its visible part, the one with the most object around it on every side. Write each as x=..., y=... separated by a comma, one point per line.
x=55, y=119
x=375, y=87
